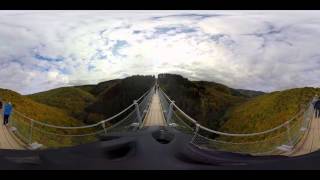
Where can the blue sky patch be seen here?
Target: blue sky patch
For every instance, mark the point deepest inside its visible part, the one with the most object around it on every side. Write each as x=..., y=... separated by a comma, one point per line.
x=91, y=67
x=217, y=37
x=119, y=45
x=100, y=54
x=64, y=71
x=48, y=58
x=42, y=69
x=171, y=31
x=174, y=30
x=189, y=15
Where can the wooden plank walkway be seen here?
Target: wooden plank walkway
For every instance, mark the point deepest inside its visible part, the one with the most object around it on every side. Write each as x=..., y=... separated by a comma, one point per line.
x=311, y=140
x=154, y=116
x=7, y=139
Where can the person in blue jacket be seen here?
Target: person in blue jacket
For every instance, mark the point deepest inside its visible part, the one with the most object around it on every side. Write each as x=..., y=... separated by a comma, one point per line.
x=1, y=105
x=6, y=113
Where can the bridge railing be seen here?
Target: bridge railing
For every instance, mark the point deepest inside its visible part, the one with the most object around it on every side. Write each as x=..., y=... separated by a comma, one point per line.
x=277, y=140
x=38, y=133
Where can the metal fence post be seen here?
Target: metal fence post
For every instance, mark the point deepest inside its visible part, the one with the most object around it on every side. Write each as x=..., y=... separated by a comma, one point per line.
x=138, y=111
x=307, y=117
x=196, y=132
x=304, y=124
x=169, y=115
x=10, y=119
x=104, y=127
x=31, y=131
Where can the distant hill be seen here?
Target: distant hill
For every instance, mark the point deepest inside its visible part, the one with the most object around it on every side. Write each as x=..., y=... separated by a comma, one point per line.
x=212, y=104
x=250, y=93
x=92, y=103
x=117, y=95
x=72, y=100
x=43, y=113
x=74, y=106
x=268, y=110
x=100, y=87
x=38, y=111
x=234, y=110
x=207, y=102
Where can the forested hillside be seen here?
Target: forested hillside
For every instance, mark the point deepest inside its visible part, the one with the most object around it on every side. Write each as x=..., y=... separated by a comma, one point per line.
x=207, y=102
x=91, y=103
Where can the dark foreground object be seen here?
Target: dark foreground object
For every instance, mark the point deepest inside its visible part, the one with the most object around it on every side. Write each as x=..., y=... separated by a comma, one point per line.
x=152, y=148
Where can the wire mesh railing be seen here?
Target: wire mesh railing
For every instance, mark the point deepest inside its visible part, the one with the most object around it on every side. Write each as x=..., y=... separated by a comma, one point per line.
x=277, y=140
x=37, y=133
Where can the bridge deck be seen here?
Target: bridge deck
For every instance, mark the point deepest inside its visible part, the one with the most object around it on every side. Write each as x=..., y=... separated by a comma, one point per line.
x=7, y=139
x=311, y=140
x=154, y=116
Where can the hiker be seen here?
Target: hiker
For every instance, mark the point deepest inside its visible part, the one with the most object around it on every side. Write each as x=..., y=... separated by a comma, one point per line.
x=6, y=113
x=1, y=106
x=317, y=108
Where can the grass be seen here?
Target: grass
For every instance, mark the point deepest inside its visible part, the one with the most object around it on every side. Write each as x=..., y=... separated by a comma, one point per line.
x=69, y=99
x=267, y=111
x=42, y=113
x=263, y=113
x=238, y=111
x=211, y=104
x=93, y=103
x=73, y=106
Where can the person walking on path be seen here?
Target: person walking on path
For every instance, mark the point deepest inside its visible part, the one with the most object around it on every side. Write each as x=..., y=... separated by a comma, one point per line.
x=317, y=108
x=6, y=113
x=1, y=106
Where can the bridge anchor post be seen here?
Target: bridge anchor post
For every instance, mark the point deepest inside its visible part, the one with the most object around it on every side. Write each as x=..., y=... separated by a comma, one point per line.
x=195, y=132
x=289, y=136
x=31, y=132
x=138, y=111
x=287, y=147
x=169, y=115
x=104, y=127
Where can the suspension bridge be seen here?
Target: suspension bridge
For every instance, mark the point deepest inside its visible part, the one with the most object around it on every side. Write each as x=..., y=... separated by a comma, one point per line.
x=155, y=115
x=297, y=136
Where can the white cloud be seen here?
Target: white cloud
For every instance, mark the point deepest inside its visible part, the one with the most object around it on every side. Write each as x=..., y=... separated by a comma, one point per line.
x=262, y=50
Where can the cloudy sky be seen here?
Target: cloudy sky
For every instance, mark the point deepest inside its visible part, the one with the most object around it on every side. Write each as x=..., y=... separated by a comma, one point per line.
x=259, y=50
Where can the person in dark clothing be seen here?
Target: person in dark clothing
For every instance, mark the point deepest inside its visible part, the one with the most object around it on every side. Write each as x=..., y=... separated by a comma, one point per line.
x=1, y=105
x=317, y=108
x=6, y=113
